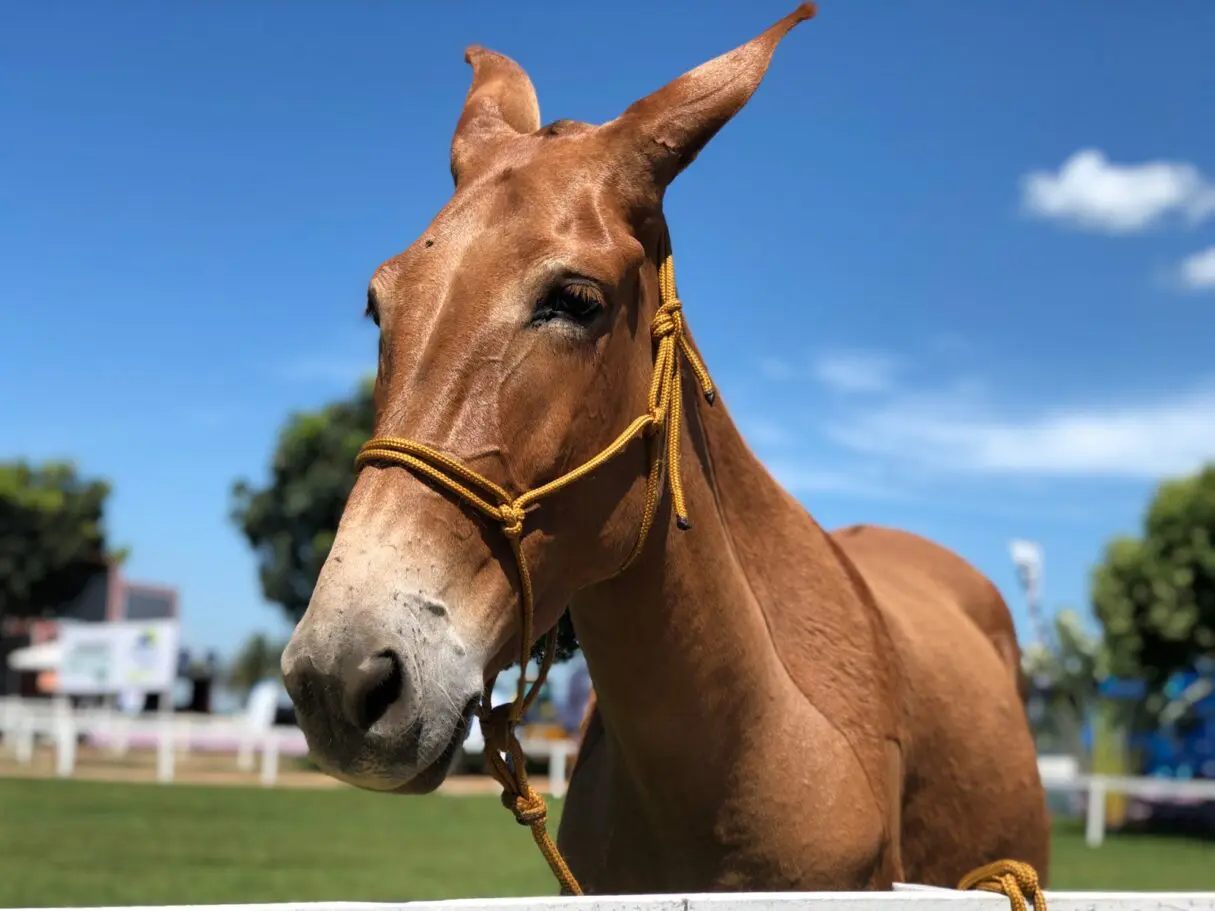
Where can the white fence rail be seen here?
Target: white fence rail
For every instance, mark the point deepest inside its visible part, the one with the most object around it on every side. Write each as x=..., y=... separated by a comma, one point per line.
x=1061, y=773
x=904, y=898
x=1171, y=789
x=25, y=722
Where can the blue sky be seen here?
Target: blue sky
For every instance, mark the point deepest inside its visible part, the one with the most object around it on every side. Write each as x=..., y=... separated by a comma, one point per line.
x=953, y=267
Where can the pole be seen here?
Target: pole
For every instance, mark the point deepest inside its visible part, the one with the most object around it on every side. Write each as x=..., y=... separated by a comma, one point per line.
x=1027, y=557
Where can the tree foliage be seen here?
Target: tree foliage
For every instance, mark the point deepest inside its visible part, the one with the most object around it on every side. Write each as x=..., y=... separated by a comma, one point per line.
x=292, y=521
x=258, y=659
x=1066, y=671
x=52, y=536
x=1155, y=594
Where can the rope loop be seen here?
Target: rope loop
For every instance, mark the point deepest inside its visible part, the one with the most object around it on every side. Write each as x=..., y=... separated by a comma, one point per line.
x=1012, y=878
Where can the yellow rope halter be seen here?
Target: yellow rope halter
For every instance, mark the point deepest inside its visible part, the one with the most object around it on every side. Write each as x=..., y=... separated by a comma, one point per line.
x=664, y=410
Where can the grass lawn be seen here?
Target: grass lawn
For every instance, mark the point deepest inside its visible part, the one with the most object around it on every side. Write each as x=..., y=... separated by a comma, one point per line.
x=84, y=843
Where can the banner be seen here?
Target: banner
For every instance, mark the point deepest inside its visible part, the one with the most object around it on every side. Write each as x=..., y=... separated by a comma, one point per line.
x=102, y=658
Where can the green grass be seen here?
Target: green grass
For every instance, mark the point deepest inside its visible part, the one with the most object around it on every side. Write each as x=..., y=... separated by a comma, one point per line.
x=1131, y=863
x=85, y=843
x=82, y=843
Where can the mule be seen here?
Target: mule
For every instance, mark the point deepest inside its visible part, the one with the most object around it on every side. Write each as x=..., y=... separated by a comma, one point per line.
x=778, y=708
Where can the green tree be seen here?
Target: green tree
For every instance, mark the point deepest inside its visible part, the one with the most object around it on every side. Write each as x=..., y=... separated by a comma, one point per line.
x=258, y=659
x=1066, y=670
x=291, y=522
x=52, y=536
x=1155, y=594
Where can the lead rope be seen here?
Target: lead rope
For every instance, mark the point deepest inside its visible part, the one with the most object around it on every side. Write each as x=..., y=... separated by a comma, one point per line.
x=504, y=754
x=1012, y=878
x=664, y=410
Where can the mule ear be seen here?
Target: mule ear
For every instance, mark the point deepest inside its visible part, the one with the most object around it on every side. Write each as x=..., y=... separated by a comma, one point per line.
x=501, y=103
x=669, y=128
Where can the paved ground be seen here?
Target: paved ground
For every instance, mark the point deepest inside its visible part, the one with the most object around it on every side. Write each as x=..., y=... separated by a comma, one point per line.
x=207, y=768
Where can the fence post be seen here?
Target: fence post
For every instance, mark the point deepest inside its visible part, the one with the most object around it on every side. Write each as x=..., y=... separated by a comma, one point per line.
x=557, y=757
x=65, y=739
x=164, y=749
x=1094, y=823
x=244, y=750
x=23, y=735
x=270, y=758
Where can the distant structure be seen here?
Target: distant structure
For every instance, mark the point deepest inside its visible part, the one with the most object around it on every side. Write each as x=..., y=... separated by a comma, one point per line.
x=108, y=597
x=200, y=675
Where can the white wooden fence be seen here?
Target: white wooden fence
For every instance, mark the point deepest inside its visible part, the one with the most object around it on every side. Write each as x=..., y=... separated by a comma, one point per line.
x=23, y=722
x=903, y=898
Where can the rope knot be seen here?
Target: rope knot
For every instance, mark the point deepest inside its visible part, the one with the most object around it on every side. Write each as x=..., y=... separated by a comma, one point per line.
x=512, y=519
x=668, y=320
x=1012, y=878
x=529, y=808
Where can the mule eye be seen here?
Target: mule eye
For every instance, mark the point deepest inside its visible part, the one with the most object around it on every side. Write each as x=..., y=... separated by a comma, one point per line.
x=574, y=301
x=373, y=308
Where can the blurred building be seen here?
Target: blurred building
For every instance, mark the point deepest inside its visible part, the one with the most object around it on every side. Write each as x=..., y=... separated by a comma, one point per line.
x=108, y=597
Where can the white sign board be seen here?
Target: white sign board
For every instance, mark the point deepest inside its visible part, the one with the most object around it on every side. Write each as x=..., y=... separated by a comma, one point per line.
x=101, y=658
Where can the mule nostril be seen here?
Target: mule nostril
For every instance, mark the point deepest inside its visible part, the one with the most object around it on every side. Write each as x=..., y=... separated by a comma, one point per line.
x=379, y=682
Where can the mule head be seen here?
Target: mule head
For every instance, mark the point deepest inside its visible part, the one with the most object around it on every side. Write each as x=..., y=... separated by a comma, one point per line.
x=514, y=338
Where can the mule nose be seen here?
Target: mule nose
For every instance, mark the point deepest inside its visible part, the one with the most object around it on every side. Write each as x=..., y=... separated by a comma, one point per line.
x=357, y=690
x=371, y=688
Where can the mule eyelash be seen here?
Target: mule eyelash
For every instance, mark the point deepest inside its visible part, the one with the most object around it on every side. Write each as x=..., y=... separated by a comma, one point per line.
x=372, y=311
x=576, y=302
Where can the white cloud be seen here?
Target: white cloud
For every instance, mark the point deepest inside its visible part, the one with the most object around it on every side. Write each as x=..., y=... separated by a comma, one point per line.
x=1143, y=440
x=856, y=371
x=1092, y=192
x=1198, y=271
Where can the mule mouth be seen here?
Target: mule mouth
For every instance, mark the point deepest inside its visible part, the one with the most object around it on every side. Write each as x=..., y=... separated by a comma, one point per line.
x=378, y=766
x=430, y=777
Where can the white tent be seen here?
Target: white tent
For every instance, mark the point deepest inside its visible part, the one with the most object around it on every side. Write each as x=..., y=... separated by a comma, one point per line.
x=45, y=656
